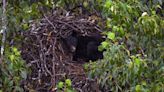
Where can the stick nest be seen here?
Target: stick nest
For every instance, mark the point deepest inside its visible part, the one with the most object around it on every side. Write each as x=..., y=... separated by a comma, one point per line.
x=44, y=52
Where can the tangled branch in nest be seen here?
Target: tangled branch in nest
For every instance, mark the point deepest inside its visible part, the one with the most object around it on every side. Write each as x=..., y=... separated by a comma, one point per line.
x=43, y=50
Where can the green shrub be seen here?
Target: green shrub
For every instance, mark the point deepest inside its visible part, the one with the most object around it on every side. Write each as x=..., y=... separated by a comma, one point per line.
x=13, y=71
x=134, y=56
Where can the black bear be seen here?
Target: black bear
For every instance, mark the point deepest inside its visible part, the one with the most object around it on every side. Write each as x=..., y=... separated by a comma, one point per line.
x=84, y=47
x=87, y=48
x=71, y=42
x=92, y=51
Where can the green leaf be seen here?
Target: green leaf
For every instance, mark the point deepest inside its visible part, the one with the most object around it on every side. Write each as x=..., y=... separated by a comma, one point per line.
x=108, y=23
x=11, y=83
x=111, y=35
x=108, y=4
x=24, y=74
x=121, y=31
x=85, y=66
x=85, y=3
x=18, y=89
x=104, y=45
x=68, y=82
x=137, y=61
x=12, y=57
x=15, y=49
x=130, y=65
x=25, y=26
x=115, y=28
x=60, y=85
x=138, y=88
x=17, y=53
x=144, y=83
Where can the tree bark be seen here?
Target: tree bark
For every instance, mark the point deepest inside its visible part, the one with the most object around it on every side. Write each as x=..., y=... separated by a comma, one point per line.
x=4, y=28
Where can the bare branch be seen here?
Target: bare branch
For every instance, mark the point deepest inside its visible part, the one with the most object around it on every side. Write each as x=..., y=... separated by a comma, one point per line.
x=4, y=28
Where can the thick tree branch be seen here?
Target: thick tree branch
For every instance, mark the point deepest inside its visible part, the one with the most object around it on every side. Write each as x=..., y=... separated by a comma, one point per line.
x=4, y=28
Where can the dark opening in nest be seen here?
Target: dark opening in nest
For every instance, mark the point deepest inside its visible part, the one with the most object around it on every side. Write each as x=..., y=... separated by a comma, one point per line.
x=52, y=46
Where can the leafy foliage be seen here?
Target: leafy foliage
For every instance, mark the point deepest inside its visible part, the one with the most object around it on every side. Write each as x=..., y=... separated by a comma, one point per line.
x=133, y=60
x=65, y=86
x=13, y=71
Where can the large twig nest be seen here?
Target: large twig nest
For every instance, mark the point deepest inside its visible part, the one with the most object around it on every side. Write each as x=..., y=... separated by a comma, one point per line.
x=44, y=52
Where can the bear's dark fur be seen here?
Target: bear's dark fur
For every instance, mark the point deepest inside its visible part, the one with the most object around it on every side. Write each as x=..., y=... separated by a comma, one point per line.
x=84, y=47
